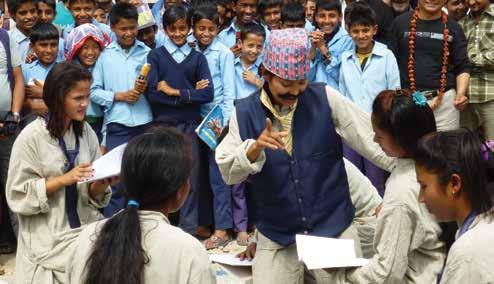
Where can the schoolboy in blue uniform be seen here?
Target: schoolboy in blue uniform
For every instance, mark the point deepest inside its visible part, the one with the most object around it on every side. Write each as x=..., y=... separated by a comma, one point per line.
x=116, y=88
x=246, y=12
x=206, y=23
x=366, y=71
x=44, y=43
x=83, y=13
x=329, y=41
x=179, y=84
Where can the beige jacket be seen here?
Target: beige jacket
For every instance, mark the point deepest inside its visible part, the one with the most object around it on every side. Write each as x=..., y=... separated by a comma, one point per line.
x=471, y=258
x=406, y=241
x=44, y=231
x=174, y=256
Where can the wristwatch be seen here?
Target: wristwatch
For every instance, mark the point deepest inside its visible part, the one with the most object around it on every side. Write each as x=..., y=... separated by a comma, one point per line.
x=326, y=58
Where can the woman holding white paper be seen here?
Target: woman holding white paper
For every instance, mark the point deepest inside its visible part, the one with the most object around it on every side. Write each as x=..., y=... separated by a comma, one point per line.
x=50, y=156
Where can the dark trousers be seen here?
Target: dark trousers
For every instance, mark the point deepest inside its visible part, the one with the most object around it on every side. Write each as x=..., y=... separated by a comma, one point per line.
x=196, y=209
x=6, y=232
x=97, y=125
x=222, y=196
x=116, y=135
x=376, y=175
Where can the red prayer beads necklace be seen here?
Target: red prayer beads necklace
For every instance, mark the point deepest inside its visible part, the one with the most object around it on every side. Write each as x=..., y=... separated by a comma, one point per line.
x=445, y=56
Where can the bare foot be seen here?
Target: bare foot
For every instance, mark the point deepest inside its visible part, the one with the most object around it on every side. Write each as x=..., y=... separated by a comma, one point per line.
x=243, y=238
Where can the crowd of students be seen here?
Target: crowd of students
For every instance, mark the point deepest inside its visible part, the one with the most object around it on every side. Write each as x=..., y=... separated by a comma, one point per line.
x=382, y=76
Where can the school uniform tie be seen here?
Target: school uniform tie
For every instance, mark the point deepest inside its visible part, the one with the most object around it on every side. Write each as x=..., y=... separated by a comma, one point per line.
x=71, y=194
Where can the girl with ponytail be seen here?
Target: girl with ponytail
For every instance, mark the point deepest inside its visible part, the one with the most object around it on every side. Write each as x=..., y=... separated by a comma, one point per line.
x=407, y=240
x=455, y=170
x=138, y=245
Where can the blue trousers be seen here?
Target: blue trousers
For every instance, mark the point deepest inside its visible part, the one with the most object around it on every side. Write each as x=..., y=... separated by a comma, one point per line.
x=222, y=197
x=116, y=135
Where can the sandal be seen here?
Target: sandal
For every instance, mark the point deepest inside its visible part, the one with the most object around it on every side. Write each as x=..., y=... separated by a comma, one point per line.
x=216, y=242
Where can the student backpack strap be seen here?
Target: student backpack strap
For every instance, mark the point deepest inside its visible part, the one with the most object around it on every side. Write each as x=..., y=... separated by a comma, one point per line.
x=4, y=38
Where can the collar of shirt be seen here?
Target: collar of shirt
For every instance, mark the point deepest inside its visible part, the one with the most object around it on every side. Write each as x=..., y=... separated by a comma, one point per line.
x=173, y=48
x=233, y=26
x=153, y=215
x=137, y=45
x=38, y=64
x=256, y=64
x=339, y=34
x=379, y=49
x=18, y=36
x=213, y=46
x=490, y=11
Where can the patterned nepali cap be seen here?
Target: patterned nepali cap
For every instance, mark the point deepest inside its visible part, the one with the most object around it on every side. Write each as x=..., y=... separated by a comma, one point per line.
x=287, y=54
x=78, y=37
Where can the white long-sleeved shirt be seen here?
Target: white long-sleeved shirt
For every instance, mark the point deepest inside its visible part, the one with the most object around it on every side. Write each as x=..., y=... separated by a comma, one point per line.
x=350, y=122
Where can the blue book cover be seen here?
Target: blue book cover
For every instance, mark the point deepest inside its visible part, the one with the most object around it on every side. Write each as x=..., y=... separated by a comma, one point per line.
x=210, y=128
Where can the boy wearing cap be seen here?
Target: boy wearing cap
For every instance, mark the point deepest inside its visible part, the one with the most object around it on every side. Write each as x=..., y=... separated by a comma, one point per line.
x=300, y=184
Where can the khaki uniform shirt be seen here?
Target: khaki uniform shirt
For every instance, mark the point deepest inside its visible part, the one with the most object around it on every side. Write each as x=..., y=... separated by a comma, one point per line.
x=174, y=256
x=44, y=230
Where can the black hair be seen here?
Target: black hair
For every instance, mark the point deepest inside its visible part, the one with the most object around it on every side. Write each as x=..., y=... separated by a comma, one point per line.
x=252, y=28
x=122, y=10
x=206, y=11
x=460, y=152
x=360, y=13
x=14, y=5
x=99, y=6
x=43, y=31
x=267, y=4
x=395, y=112
x=329, y=5
x=221, y=2
x=51, y=3
x=155, y=165
x=59, y=81
x=71, y=2
x=176, y=13
x=293, y=12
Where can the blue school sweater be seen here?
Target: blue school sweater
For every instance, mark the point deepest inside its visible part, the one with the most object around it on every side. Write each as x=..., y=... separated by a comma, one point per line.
x=182, y=76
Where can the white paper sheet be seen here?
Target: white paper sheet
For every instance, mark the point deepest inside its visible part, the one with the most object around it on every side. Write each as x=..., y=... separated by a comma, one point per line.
x=229, y=259
x=108, y=165
x=318, y=252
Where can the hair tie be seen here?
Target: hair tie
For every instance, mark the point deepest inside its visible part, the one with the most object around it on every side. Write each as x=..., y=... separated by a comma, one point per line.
x=132, y=202
x=485, y=148
x=419, y=98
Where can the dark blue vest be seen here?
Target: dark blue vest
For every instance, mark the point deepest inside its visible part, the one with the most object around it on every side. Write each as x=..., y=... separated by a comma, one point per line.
x=308, y=191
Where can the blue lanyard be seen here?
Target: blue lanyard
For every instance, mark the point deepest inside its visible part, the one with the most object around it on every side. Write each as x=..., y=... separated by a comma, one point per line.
x=468, y=222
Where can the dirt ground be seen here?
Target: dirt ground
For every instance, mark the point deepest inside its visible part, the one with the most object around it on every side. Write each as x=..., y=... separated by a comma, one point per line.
x=7, y=262
x=7, y=266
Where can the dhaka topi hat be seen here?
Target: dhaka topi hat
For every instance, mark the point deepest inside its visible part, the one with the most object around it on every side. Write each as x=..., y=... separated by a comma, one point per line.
x=287, y=54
